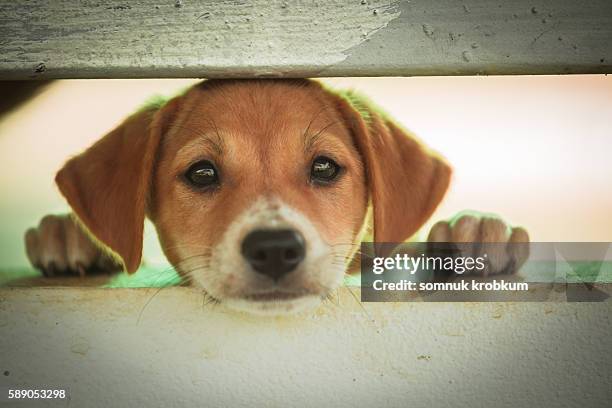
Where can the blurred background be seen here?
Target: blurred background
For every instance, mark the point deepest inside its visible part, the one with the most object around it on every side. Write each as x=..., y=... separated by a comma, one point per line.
x=535, y=149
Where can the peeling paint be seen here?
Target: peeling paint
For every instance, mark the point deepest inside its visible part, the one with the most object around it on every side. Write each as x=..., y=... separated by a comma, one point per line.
x=269, y=42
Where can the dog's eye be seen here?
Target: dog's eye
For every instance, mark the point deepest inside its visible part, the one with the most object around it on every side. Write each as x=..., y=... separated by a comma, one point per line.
x=202, y=174
x=324, y=170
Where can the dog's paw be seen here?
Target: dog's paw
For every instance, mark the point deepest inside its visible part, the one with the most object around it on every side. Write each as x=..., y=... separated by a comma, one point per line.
x=59, y=247
x=505, y=248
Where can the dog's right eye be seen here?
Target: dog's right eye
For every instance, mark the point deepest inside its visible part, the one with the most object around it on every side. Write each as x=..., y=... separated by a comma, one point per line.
x=202, y=174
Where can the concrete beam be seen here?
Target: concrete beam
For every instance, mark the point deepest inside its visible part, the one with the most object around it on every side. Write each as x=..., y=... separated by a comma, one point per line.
x=294, y=38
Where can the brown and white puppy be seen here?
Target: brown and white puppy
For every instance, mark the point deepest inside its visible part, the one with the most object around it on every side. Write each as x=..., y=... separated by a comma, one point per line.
x=259, y=190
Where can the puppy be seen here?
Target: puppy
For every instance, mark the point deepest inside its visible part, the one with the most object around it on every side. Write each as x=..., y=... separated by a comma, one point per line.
x=260, y=190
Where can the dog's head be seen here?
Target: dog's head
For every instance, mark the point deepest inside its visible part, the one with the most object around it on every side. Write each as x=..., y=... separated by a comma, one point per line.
x=259, y=189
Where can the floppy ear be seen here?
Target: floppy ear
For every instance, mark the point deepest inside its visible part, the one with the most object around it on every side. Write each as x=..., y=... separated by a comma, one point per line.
x=107, y=186
x=406, y=181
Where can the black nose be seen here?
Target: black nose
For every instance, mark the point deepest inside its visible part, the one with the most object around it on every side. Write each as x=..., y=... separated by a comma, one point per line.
x=274, y=252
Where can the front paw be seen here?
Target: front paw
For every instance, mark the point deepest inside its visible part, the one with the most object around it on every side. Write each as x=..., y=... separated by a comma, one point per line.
x=59, y=247
x=505, y=248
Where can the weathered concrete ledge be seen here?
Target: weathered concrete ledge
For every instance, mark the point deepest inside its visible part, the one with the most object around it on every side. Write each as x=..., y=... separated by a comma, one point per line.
x=152, y=347
x=292, y=38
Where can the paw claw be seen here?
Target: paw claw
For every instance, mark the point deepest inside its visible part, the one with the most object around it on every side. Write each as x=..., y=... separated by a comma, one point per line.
x=491, y=236
x=58, y=247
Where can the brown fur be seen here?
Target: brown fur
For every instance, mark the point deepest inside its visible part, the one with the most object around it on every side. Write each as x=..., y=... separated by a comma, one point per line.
x=254, y=131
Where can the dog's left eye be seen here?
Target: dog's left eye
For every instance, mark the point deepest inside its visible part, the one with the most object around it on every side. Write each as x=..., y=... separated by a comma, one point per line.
x=324, y=170
x=202, y=174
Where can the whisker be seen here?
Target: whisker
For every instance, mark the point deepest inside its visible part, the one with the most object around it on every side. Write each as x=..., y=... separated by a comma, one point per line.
x=188, y=245
x=360, y=304
x=312, y=139
x=147, y=304
x=332, y=296
x=305, y=135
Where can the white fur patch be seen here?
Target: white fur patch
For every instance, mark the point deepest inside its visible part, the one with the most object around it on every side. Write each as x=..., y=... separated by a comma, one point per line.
x=229, y=278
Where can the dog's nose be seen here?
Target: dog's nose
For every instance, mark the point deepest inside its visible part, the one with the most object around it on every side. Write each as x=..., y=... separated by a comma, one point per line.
x=274, y=252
